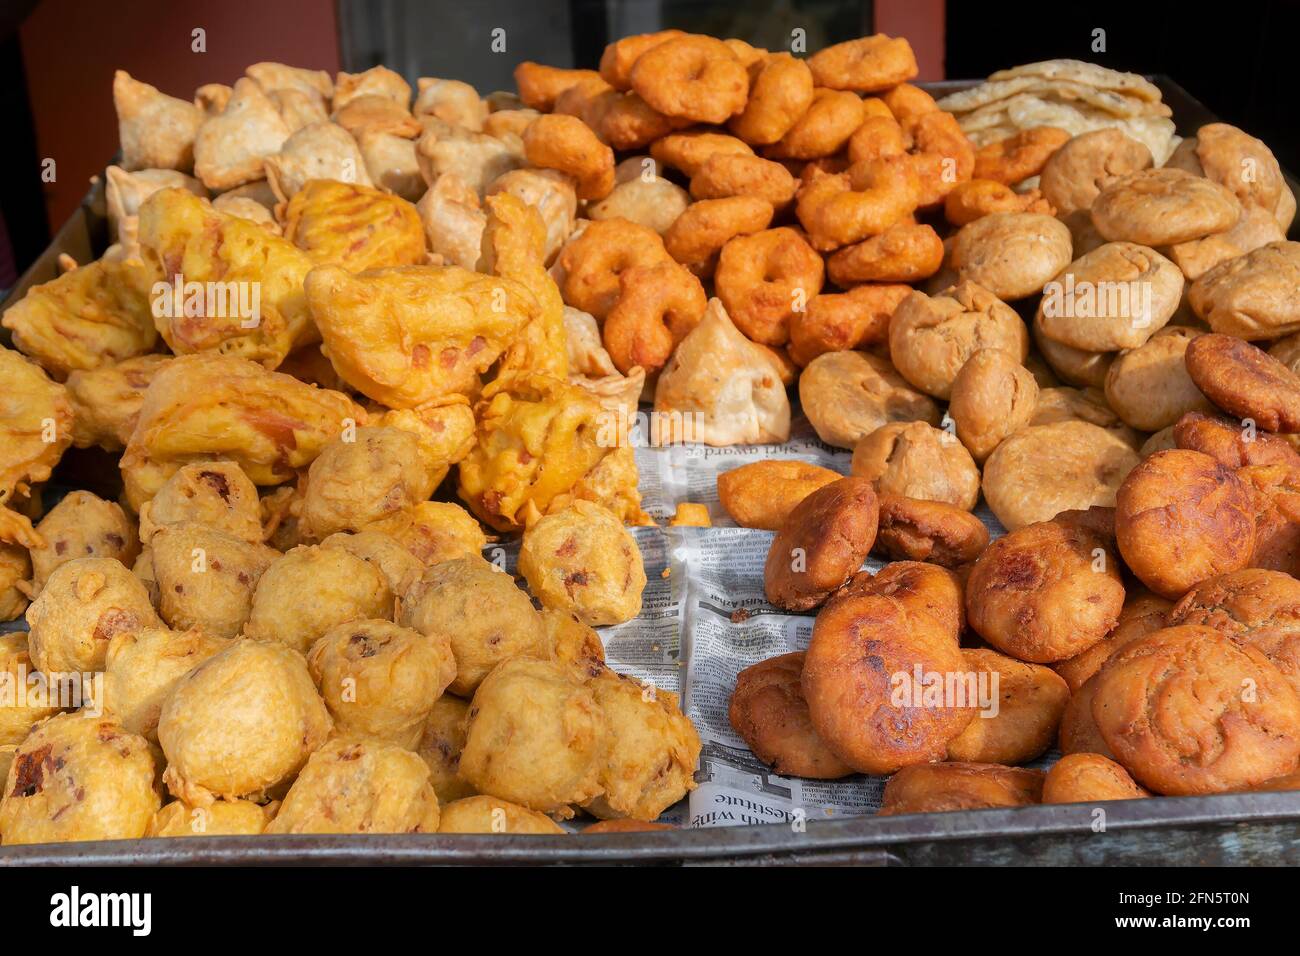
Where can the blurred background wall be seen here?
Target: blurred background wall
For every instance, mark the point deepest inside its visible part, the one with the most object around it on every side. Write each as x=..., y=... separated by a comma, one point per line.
x=57, y=58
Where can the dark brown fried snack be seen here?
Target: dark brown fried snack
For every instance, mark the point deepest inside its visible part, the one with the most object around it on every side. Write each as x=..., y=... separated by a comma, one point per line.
x=1181, y=517
x=868, y=646
x=933, y=531
x=1277, y=516
x=1256, y=607
x=1089, y=778
x=1245, y=381
x=1187, y=710
x=1230, y=443
x=770, y=714
x=936, y=787
x=1030, y=701
x=1079, y=733
x=1142, y=614
x=821, y=543
x=1045, y=592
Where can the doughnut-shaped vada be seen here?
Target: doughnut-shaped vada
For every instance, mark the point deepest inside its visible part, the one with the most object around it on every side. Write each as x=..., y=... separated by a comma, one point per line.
x=908, y=104
x=858, y=676
x=877, y=138
x=824, y=129
x=725, y=175
x=906, y=252
x=764, y=279
x=941, y=155
x=1019, y=156
x=690, y=150
x=779, y=93
x=567, y=144
x=697, y=236
x=863, y=201
x=593, y=262
x=694, y=78
x=865, y=65
x=1187, y=711
x=836, y=322
x=620, y=56
x=657, y=306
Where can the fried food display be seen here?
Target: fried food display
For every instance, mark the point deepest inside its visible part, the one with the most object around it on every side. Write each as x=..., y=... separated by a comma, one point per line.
x=1023, y=718
x=241, y=723
x=903, y=621
x=535, y=736
x=769, y=713
x=1045, y=592
x=359, y=785
x=581, y=559
x=935, y=788
x=821, y=544
x=74, y=778
x=480, y=609
x=1187, y=710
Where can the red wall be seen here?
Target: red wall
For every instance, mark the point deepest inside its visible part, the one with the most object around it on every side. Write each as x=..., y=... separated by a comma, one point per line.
x=71, y=48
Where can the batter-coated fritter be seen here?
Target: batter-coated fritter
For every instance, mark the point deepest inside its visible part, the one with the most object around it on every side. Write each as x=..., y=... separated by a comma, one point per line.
x=205, y=578
x=35, y=428
x=483, y=814
x=142, y=667
x=216, y=494
x=82, y=525
x=440, y=746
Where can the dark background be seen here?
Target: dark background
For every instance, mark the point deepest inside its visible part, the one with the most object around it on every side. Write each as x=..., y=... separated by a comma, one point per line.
x=57, y=58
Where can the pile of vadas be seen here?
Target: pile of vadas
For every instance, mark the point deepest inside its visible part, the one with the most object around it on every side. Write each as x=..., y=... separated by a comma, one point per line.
x=349, y=333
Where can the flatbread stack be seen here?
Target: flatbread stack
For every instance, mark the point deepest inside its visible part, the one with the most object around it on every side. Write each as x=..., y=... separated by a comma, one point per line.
x=1070, y=94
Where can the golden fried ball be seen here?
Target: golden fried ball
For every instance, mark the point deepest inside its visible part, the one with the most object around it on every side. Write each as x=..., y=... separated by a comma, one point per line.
x=651, y=749
x=312, y=589
x=359, y=785
x=573, y=644
x=535, y=736
x=379, y=679
x=481, y=814
x=363, y=477
x=142, y=667
x=205, y=577
x=582, y=559
x=22, y=702
x=213, y=493
x=78, y=778
x=220, y=818
x=486, y=616
x=434, y=531
x=82, y=525
x=440, y=746
x=84, y=603
x=398, y=566
x=241, y=723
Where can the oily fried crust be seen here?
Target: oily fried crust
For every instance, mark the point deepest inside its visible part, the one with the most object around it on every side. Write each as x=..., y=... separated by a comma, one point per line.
x=1089, y=778
x=769, y=712
x=1245, y=381
x=934, y=788
x=1231, y=444
x=934, y=531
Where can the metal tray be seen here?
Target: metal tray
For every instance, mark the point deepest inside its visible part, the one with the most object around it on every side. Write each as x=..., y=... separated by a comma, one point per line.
x=1225, y=829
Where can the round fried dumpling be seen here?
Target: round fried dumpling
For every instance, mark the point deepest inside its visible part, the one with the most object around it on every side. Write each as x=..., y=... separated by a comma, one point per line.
x=241, y=723
x=434, y=531
x=74, y=778
x=15, y=569
x=398, y=566
x=440, y=746
x=379, y=679
x=486, y=616
x=535, y=736
x=651, y=749
x=84, y=603
x=582, y=559
x=481, y=814
x=353, y=482
x=82, y=525
x=575, y=645
x=27, y=706
x=216, y=494
x=312, y=589
x=205, y=577
x=221, y=818
x=359, y=785
x=142, y=667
